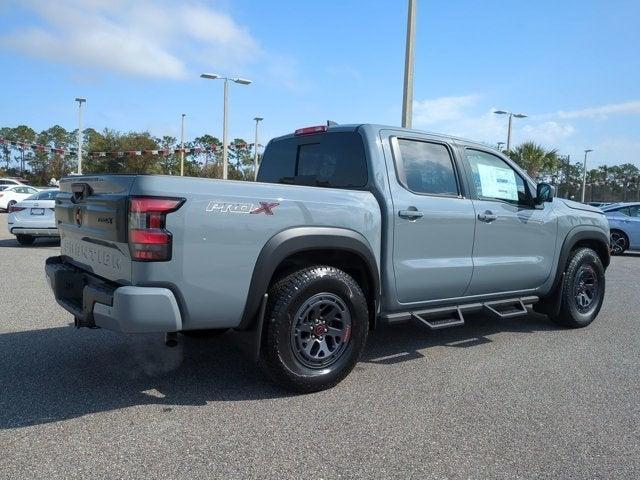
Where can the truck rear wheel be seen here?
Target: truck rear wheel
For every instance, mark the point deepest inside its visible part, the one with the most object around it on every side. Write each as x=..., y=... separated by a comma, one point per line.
x=582, y=291
x=316, y=328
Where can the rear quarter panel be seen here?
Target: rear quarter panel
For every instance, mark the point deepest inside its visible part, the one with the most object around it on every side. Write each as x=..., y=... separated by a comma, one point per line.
x=216, y=242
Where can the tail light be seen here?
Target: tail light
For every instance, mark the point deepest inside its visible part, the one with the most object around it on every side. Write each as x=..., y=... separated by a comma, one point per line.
x=13, y=208
x=149, y=241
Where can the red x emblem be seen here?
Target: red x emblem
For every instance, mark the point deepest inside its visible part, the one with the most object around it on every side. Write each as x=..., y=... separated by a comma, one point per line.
x=265, y=207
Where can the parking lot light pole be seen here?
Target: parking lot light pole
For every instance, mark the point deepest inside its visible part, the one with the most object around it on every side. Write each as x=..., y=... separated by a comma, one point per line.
x=80, y=102
x=255, y=150
x=584, y=173
x=241, y=81
x=182, y=147
x=407, y=93
x=511, y=115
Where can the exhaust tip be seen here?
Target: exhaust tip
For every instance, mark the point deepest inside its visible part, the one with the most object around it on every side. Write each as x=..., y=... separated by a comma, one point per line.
x=171, y=339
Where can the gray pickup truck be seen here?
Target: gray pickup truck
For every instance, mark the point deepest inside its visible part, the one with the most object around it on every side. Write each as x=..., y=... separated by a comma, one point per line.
x=347, y=227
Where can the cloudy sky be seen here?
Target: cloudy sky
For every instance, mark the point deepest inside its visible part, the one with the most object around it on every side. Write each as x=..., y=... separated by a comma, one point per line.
x=573, y=67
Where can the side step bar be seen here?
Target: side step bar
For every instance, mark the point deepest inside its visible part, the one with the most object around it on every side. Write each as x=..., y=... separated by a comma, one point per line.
x=505, y=309
x=453, y=316
x=440, y=318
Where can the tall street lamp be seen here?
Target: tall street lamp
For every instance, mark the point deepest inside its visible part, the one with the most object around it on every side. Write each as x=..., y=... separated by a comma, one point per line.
x=584, y=173
x=255, y=150
x=241, y=81
x=407, y=93
x=182, y=146
x=80, y=102
x=511, y=115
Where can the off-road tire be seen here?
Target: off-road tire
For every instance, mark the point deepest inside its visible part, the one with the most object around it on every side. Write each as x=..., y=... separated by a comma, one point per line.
x=571, y=315
x=25, y=239
x=286, y=298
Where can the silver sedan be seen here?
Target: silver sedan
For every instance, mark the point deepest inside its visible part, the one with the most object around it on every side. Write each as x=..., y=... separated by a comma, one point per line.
x=33, y=217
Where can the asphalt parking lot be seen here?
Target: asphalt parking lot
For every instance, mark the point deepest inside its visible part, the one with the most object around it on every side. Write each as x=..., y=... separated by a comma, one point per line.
x=510, y=399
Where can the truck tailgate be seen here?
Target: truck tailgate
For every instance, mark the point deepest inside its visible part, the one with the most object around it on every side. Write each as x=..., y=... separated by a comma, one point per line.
x=92, y=216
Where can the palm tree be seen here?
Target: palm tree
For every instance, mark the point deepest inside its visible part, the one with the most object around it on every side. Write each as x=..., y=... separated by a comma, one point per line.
x=535, y=159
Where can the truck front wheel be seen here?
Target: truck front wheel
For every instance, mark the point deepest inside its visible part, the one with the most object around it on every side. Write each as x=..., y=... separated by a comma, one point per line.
x=582, y=291
x=316, y=328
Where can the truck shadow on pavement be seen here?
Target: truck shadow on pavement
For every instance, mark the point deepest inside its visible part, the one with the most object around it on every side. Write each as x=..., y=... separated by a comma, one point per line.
x=61, y=373
x=40, y=242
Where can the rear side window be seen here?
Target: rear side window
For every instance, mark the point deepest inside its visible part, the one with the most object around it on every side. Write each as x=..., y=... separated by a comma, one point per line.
x=326, y=160
x=426, y=167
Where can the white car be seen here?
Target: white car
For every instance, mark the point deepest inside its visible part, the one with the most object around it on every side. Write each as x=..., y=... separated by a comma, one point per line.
x=10, y=181
x=34, y=217
x=13, y=194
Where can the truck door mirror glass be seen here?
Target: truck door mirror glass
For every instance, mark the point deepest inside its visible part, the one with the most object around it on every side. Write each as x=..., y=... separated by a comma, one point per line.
x=544, y=193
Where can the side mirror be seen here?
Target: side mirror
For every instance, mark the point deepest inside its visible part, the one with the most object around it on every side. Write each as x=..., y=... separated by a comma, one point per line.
x=544, y=193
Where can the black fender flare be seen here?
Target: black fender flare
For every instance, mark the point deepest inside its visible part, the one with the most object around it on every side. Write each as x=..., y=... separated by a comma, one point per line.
x=577, y=234
x=300, y=239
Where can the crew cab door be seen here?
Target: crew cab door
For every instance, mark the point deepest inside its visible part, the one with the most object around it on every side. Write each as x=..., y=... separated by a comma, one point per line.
x=515, y=241
x=432, y=221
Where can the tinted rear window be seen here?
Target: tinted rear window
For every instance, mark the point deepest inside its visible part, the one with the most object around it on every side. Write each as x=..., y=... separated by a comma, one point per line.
x=325, y=160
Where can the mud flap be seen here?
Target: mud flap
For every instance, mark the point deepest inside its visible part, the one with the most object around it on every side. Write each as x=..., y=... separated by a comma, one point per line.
x=249, y=341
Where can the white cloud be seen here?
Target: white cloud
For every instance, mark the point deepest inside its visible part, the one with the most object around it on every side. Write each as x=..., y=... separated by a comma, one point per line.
x=602, y=112
x=547, y=133
x=134, y=37
x=615, y=151
x=468, y=116
x=441, y=109
x=464, y=116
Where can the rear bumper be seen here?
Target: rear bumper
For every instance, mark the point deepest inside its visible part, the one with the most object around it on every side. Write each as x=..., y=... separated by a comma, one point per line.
x=38, y=232
x=96, y=303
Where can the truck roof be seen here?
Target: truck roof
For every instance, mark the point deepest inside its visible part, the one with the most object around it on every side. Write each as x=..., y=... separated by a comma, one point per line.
x=352, y=127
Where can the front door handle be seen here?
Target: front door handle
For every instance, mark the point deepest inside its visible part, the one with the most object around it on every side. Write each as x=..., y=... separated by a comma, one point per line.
x=488, y=216
x=411, y=214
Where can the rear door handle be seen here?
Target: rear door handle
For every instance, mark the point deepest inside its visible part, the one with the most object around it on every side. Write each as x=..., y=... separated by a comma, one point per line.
x=487, y=216
x=410, y=214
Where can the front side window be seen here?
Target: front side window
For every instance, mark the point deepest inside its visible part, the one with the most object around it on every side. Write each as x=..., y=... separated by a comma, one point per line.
x=426, y=168
x=624, y=211
x=632, y=211
x=494, y=178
